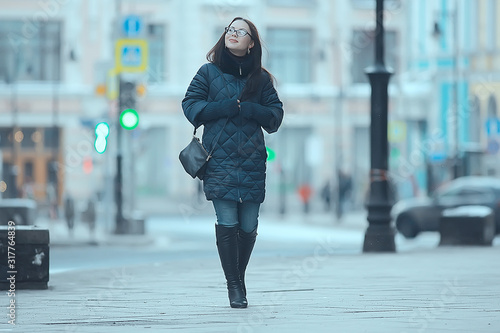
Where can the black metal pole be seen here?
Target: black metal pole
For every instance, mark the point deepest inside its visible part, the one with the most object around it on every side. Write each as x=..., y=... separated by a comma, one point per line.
x=14, y=170
x=120, y=222
x=379, y=236
x=55, y=134
x=338, y=157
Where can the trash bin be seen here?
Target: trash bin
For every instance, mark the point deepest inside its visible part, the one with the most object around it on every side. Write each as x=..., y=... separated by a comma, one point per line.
x=21, y=211
x=27, y=248
x=467, y=225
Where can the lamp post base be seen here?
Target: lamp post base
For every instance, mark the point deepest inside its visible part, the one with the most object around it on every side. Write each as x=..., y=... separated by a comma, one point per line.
x=379, y=238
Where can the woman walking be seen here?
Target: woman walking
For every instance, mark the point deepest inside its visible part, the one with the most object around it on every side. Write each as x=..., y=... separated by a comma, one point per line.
x=234, y=95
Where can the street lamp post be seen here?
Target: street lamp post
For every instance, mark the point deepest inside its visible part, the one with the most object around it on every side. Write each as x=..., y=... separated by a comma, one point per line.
x=12, y=181
x=379, y=236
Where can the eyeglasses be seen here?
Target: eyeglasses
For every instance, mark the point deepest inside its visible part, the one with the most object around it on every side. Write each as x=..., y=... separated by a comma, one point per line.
x=239, y=32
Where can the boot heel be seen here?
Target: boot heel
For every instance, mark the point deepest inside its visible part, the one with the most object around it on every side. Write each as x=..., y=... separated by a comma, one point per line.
x=237, y=299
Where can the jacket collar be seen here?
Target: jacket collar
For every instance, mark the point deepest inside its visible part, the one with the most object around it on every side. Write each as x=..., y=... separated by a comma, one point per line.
x=234, y=65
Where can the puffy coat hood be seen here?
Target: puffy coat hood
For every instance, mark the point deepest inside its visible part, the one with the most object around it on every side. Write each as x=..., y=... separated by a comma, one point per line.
x=237, y=169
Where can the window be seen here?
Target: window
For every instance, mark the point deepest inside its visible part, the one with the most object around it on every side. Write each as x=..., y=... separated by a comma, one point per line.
x=363, y=52
x=28, y=170
x=30, y=52
x=292, y=3
x=51, y=137
x=475, y=120
x=290, y=56
x=6, y=137
x=156, y=40
x=491, y=25
x=370, y=4
x=28, y=137
x=473, y=30
x=466, y=195
x=478, y=195
x=492, y=107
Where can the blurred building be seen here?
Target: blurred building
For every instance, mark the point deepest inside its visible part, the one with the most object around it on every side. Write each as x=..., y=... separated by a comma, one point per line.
x=453, y=57
x=483, y=140
x=58, y=56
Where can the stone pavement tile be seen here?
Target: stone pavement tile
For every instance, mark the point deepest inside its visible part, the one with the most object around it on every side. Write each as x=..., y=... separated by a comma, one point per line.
x=440, y=290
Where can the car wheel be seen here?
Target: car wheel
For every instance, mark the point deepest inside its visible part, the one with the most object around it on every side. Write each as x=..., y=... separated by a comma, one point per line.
x=406, y=226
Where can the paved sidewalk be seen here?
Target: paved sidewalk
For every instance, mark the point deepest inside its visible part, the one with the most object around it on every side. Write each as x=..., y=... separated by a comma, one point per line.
x=444, y=289
x=82, y=235
x=60, y=236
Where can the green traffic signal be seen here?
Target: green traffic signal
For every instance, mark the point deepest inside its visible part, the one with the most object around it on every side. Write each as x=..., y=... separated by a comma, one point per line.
x=271, y=155
x=101, y=137
x=129, y=119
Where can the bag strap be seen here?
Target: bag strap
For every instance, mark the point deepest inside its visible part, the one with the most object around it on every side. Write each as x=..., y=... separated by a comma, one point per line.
x=216, y=139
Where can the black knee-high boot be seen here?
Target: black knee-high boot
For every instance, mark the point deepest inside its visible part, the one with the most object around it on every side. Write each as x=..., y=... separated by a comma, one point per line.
x=246, y=241
x=227, y=245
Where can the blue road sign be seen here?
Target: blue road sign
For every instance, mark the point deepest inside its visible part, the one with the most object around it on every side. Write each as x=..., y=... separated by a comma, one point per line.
x=492, y=126
x=132, y=25
x=131, y=55
x=437, y=157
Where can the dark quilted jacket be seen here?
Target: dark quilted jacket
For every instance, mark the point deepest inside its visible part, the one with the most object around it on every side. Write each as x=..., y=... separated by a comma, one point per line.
x=237, y=169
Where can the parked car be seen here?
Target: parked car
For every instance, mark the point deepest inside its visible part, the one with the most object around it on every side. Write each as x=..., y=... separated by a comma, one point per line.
x=415, y=215
x=21, y=211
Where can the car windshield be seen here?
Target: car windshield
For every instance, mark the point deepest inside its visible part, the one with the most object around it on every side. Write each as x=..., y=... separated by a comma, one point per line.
x=466, y=194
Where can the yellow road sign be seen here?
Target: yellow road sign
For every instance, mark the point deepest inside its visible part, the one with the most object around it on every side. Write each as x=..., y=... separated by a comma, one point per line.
x=131, y=55
x=397, y=131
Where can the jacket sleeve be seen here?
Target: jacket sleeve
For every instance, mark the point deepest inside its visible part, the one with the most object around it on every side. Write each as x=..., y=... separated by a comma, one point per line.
x=269, y=112
x=195, y=104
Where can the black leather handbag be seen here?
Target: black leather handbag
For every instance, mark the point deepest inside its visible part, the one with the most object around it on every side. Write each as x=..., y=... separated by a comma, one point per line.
x=194, y=157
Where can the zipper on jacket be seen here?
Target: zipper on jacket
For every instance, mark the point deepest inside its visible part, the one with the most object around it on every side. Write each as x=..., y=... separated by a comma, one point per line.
x=239, y=143
x=240, y=70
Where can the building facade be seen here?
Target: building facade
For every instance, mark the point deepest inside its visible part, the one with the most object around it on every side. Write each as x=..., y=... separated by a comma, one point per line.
x=484, y=91
x=59, y=55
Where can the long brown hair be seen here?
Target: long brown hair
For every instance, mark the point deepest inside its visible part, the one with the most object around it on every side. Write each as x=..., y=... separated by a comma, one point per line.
x=215, y=56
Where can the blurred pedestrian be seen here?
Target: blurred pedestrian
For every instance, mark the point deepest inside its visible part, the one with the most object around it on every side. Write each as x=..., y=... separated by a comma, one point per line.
x=326, y=195
x=344, y=192
x=69, y=213
x=233, y=93
x=305, y=192
x=90, y=213
x=52, y=200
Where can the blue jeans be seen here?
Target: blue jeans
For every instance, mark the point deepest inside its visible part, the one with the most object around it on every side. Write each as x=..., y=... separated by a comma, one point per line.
x=232, y=213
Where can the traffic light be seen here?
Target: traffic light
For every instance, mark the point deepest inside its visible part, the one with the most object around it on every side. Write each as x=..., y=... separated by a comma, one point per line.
x=101, y=137
x=129, y=118
x=127, y=95
x=271, y=155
